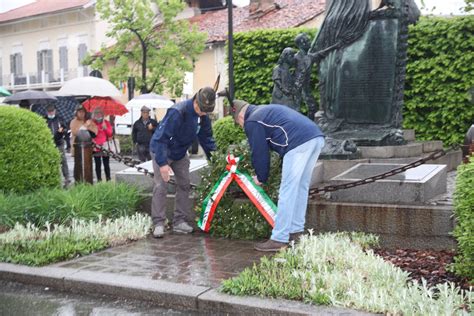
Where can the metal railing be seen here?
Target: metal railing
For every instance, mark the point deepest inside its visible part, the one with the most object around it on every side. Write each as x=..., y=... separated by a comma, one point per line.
x=41, y=79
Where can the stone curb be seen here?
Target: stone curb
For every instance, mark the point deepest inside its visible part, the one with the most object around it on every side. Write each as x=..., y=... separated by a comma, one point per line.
x=163, y=293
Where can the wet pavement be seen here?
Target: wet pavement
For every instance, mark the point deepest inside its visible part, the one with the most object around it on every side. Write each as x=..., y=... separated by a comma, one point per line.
x=18, y=299
x=195, y=259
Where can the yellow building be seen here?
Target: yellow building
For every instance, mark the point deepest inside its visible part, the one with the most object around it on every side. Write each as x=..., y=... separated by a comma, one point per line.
x=43, y=42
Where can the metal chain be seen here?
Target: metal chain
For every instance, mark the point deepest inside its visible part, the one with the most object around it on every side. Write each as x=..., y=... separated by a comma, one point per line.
x=329, y=188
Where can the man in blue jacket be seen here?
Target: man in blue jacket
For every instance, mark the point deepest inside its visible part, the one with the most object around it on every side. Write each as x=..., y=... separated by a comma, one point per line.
x=299, y=141
x=179, y=128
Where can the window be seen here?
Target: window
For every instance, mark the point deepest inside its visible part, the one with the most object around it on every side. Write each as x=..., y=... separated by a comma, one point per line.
x=45, y=63
x=82, y=53
x=16, y=64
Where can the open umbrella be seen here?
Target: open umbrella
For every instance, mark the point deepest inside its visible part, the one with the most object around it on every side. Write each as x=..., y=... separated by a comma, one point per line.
x=65, y=108
x=150, y=96
x=4, y=92
x=108, y=105
x=32, y=96
x=89, y=86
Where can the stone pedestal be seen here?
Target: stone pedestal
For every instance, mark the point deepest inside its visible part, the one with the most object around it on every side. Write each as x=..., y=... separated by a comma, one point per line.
x=414, y=186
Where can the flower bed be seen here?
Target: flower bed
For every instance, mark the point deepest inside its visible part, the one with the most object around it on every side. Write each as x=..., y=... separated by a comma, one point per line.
x=30, y=245
x=338, y=270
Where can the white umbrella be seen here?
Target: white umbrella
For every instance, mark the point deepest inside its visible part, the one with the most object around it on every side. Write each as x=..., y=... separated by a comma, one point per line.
x=89, y=86
x=32, y=96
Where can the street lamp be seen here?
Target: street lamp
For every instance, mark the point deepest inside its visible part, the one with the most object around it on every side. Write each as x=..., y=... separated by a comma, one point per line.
x=230, y=43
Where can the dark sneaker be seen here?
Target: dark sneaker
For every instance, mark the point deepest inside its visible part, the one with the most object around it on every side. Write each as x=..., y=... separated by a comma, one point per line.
x=270, y=246
x=296, y=236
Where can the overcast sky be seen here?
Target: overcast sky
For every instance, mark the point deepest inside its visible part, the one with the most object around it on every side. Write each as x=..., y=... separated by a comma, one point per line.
x=441, y=6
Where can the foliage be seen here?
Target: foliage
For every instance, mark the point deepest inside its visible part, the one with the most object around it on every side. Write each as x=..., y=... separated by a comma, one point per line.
x=126, y=144
x=440, y=73
x=62, y=206
x=255, y=55
x=330, y=269
x=156, y=49
x=32, y=246
x=233, y=218
x=464, y=213
x=29, y=160
x=227, y=133
x=469, y=5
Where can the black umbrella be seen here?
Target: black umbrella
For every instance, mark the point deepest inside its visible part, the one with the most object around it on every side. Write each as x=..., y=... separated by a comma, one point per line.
x=65, y=107
x=32, y=96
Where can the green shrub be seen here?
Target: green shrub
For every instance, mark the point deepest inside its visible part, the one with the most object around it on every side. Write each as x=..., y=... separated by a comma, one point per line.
x=440, y=72
x=227, y=133
x=234, y=218
x=464, y=213
x=82, y=201
x=255, y=55
x=335, y=269
x=126, y=144
x=29, y=160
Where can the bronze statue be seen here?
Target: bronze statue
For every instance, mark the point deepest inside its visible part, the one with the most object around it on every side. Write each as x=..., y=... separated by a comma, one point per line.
x=284, y=90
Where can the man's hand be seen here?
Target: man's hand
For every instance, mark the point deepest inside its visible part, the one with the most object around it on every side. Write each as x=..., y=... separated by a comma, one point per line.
x=60, y=129
x=255, y=179
x=165, y=173
x=150, y=126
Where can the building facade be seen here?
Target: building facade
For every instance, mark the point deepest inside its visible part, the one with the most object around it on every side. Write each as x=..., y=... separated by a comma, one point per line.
x=42, y=44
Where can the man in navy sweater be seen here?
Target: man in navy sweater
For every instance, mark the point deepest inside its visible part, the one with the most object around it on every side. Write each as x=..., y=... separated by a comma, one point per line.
x=177, y=131
x=299, y=141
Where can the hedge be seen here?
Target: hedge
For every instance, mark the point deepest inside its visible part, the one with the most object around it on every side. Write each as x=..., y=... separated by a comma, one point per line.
x=464, y=213
x=29, y=160
x=440, y=72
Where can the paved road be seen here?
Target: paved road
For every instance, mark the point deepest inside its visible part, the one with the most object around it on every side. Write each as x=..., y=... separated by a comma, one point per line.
x=21, y=300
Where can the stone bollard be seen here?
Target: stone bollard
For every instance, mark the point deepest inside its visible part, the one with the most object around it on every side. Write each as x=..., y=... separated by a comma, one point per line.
x=83, y=157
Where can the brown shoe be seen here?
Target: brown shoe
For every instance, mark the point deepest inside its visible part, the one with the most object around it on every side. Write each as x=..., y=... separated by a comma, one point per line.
x=270, y=246
x=296, y=236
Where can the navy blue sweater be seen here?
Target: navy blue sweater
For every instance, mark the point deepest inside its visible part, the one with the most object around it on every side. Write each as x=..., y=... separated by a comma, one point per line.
x=178, y=130
x=275, y=127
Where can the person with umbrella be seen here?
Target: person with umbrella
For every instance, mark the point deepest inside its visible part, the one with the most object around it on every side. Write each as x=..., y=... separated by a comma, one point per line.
x=104, y=132
x=142, y=131
x=58, y=128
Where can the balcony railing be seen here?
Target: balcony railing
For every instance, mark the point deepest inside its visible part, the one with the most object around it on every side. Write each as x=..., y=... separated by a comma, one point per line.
x=41, y=79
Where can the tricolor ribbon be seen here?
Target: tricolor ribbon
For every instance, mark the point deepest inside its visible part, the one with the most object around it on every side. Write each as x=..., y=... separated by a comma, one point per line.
x=254, y=192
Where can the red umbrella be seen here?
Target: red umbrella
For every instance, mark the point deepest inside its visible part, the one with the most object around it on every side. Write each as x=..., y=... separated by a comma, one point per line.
x=108, y=105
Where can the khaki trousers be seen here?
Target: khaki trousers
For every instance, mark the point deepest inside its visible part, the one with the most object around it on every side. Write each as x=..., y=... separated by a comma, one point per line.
x=182, y=211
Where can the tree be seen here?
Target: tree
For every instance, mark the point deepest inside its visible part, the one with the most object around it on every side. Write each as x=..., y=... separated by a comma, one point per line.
x=469, y=5
x=151, y=44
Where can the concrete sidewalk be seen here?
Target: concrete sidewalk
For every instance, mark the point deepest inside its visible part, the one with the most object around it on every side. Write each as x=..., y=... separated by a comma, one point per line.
x=178, y=271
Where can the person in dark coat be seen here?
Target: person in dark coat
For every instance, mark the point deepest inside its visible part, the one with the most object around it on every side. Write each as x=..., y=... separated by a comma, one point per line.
x=299, y=141
x=182, y=124
x=59, y=130
x=142, y=131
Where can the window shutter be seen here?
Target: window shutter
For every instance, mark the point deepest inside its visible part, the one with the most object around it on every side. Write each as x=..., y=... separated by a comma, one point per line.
x=20, y=63
x=39, y=63
x=49, y=63
x=12, y=64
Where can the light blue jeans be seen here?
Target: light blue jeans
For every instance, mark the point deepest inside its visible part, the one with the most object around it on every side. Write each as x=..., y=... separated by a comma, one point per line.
x=298, y=165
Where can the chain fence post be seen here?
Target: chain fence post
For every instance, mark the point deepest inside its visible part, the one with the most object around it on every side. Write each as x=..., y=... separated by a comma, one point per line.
x=83, y=157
